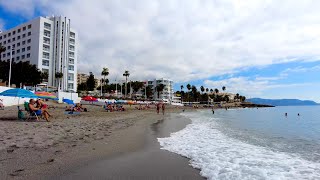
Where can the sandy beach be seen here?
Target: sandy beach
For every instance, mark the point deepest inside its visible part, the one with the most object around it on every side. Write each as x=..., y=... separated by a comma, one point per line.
x=111, y=141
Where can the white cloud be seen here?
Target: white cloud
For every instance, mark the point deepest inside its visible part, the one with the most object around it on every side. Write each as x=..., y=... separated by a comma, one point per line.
x=186, y=40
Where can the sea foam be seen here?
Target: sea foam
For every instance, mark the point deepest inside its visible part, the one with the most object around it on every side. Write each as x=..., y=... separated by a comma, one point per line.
x=221, y=157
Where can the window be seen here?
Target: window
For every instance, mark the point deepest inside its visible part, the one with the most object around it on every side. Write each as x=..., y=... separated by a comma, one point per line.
x=19, y=30
x=28, y=48
x=45, y=63
x=70, y=77
x=46, y=47
x=0, y=37
x=45, y=55
x=70, y=85
x=18, y=37
x=24, y=28
x=12, y=59
x=29, y=26
x=23, y=56
x=18, y=51
x=8, y=48
x=9, y=34
x=13, y=39
x=46, y=33
x=28, y=55
x=71, y=54
x=13, y=46
x=29, y=33
x=4, y=55
x=46, y=40
x=72, y=41
x=47, y=26
x=13, y=52
x=23, y=42
x=23, y=35
x=29, y=40
x=4, y=42
x=18, y=58
x=14, y=32
x=23, y=49
x=71, y=48
x=5, y=36
x=71, y=61
x=9, y=40
x=71, y=68
x=72, y=35
x=18, y=44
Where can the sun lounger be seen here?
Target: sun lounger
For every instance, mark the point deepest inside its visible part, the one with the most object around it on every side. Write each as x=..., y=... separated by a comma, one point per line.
x=30, y=114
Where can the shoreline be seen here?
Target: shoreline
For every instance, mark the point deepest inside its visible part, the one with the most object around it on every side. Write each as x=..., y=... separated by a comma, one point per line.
x=38, y=150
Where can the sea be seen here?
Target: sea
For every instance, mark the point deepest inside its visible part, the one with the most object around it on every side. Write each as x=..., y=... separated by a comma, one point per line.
x=251, y=143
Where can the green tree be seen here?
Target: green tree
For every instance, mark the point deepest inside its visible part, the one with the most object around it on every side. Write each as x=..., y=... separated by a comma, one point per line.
x=202, y=89
x=44, y=76
x=31, y=72
x=149, y=92
x=226, y=98
x=91, y=83
x=216, y=90
x=211, y=91
x=160, y=88
x=223, y=88
x=237, y=96
x=207, y=90
x=82, y=87
x=126, y=74
x=2, y=50
x=104, y=73
x=136, y=86
x=59, y=75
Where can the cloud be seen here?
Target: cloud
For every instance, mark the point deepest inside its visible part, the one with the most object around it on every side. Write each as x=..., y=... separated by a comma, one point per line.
x=252, y=87
x=301, y=69
x=186, y=40
x=1, y=24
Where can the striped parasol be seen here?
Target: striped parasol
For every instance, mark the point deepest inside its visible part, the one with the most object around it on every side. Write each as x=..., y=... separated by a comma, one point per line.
x=46, y=95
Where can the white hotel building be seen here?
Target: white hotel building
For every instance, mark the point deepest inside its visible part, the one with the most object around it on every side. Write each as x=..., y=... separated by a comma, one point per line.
x=49, y=43
x=167, y=94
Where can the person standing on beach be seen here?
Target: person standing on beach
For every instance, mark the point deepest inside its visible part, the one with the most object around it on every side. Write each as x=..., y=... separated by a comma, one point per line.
x=163, y=108
x=158, y=108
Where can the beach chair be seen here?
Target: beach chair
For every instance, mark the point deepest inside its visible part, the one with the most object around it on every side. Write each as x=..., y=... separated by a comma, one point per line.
x=30, y=114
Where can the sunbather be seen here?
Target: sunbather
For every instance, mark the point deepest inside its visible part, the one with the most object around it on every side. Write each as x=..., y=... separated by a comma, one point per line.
x=38, y=111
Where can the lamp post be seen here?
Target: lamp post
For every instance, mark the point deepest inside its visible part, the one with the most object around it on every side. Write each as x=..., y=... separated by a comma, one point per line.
x=10, y=67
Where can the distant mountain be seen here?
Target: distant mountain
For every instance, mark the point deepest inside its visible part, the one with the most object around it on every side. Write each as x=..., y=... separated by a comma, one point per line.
x=283, y=102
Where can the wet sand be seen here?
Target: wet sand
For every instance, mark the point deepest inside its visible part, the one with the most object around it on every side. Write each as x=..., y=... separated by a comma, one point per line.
x=146, y=162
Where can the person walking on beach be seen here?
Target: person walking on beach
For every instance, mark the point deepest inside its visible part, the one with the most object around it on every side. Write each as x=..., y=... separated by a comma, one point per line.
x=163, y=108
x=212, y=110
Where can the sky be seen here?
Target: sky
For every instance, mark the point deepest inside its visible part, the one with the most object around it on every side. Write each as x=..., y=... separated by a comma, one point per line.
x=258, y=48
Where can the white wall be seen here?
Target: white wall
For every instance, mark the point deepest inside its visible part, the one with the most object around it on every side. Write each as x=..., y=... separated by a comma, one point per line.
x=68, y=95
x=9, y=101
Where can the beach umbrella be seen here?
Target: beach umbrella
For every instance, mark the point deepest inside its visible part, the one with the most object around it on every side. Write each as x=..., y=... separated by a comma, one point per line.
x=130, y=102
x=89, y=98
x=46, y=95
x=20, y=93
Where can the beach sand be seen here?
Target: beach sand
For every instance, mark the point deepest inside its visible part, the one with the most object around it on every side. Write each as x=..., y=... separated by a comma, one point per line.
x=92, y=145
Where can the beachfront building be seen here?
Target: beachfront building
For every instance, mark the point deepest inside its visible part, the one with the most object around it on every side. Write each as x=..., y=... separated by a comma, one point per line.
x=167, y=93
x=82, y=78
x=49, y=43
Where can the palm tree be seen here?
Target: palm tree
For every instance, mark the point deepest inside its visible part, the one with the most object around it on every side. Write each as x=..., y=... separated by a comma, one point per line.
x=223, y=88
x=202, y=89
x=104, y=73
x=181, y=88
x=188, y=87
x=126, y=74
x=2, y=49
x=237, y=96
x=216, y=90
x=59, y=76
x=159, y=89
x=211, y=91
x=207, y=90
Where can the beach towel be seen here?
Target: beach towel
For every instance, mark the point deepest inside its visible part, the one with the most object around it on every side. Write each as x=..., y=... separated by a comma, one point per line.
x=71, y=113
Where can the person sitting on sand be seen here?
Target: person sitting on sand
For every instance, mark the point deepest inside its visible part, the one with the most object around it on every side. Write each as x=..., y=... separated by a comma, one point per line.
x=41, y=104
x=38, y=110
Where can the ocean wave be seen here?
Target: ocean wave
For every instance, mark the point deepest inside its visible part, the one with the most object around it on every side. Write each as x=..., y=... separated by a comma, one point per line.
x=221, y=157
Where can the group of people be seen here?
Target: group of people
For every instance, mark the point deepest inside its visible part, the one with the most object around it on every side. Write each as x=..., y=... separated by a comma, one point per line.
x=113, y=107
x=77, y=107
x=143, y=107
x=39, y=108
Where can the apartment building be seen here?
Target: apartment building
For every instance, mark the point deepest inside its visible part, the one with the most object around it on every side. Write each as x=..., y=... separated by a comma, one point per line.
x=167, y=93
x=49, y=43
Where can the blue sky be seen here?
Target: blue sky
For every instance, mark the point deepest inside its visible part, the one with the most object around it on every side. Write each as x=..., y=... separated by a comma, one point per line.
x=258, y=48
